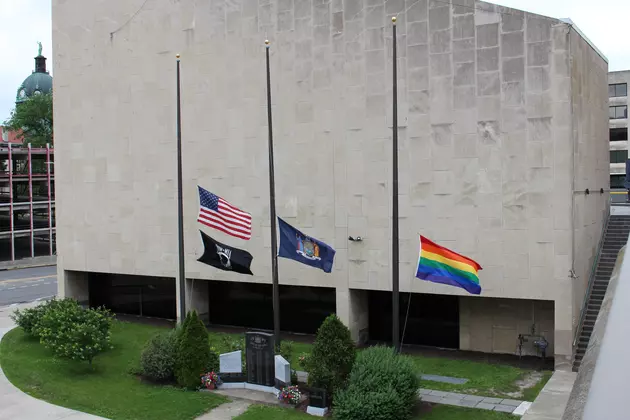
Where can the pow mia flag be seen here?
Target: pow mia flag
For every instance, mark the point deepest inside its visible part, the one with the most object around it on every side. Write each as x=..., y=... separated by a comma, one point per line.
x=225, y=257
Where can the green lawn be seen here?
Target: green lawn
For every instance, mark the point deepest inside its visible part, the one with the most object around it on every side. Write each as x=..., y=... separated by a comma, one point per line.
x=447, y=412
x=109, y=390
x=438, y=412
x=483, y=378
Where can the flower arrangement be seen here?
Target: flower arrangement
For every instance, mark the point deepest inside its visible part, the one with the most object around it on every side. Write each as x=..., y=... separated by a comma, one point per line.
x=210, y=380
x=290, y=395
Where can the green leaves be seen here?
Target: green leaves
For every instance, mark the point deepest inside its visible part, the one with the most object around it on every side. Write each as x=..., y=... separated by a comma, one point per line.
x=332, y=357
x=159, y=356
x=193, y=353
x=382, y=386
x=32, y=120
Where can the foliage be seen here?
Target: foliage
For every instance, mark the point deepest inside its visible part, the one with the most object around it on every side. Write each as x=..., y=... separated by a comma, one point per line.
x=290, y=395
x=193, y=352
x=32, y=120
x=286, y=349
x=332, y=357
x=107, y=389
x=157, y=360
x=73, y=332
x=230, y=343
x=28, y=318
x=382, y=386
x=214, y=361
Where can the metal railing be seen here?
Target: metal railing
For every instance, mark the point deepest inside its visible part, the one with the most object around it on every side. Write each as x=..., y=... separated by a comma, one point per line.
x=591, y=279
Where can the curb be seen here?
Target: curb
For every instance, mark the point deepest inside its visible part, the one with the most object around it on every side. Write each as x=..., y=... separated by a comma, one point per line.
x=21, y=267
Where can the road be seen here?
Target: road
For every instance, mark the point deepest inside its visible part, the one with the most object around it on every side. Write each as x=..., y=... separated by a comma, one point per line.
x=26, y=285
x=619, y=196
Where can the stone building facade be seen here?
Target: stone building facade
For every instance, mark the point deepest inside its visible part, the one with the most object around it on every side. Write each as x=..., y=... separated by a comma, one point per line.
x=503, y=126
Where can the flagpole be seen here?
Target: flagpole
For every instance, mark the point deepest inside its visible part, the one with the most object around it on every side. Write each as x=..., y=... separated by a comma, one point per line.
x=272, y=212
x=395, y=257
x=180, y=203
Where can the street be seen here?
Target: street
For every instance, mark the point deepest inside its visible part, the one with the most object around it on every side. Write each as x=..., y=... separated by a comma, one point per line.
x=26, y=285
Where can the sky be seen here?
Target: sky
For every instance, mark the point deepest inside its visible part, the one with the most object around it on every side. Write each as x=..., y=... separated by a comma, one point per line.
x=24, y=22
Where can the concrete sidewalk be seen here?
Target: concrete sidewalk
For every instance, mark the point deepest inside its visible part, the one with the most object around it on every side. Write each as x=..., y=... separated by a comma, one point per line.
x=553, y=398
x=44, y=261
x=15, y=404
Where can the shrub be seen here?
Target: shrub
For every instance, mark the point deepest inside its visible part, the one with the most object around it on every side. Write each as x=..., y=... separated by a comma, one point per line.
x=157, y=360
x=28, y=319
x=382, y=385
x=193, y=352
x=286, y=350
x=332, y=356
x=214, y=362
x=72, y=332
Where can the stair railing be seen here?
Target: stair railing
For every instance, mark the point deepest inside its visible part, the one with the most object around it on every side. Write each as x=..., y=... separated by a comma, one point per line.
x=591, y=279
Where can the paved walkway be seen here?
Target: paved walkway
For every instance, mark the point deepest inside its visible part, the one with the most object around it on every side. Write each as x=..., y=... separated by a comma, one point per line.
x=227, y=411
x=553, y=398
x=473, y=401
x=15, y=404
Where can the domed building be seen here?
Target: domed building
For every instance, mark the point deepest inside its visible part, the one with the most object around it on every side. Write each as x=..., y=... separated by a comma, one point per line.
x=37, y=83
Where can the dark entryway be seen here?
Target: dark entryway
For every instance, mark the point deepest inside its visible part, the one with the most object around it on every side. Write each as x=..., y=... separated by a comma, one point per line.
x=250, y=305
x=433, y=319
x=133, y=295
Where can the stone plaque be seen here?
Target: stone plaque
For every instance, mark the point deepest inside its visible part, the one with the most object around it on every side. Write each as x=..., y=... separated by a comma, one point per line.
x=318, y=398
x=230, y=362
x=283, y=372
x=259, y=353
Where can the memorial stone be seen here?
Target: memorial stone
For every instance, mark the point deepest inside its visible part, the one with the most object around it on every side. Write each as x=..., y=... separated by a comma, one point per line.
x=283, y=372
x=259, y=354
x=230, y=362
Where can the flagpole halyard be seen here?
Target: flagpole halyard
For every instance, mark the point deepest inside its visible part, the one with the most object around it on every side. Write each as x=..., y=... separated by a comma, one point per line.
x=180, y=203
x=395, y=254
x=272, y=211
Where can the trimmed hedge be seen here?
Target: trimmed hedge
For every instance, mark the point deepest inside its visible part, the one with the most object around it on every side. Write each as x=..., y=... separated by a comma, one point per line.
x=193, y=352
x=158, y=358
x=382, y=386
x=332, y=356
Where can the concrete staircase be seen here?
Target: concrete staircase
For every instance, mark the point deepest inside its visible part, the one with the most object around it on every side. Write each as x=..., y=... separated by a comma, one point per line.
x=615, y=237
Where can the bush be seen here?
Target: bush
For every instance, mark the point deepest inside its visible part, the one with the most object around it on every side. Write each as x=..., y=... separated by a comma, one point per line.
x=382, y=385
x=214, y=361
x=193, y=353
x=28, y=319
x=332, y=356
x=72, y=332
x=157, y=360
x=286, y=350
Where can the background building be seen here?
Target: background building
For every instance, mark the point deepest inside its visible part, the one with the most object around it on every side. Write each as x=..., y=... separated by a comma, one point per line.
x=618, y=115
x=503, y=128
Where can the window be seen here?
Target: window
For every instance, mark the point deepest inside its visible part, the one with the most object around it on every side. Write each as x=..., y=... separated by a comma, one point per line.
x=618, y=134
x=617, y=181
x=617, y=90
x=617, y=112
x=618, y=156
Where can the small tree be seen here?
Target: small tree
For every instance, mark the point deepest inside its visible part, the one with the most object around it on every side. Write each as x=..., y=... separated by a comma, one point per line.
x=332, y=356
x=193, y=353
x=158, y=357
x=32, y=120
x=75, y=333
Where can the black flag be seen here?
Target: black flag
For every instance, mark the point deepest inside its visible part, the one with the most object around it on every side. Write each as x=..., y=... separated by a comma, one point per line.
x=225, y=257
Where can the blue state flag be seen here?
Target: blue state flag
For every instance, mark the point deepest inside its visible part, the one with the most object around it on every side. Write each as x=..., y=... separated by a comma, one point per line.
x=297, y=246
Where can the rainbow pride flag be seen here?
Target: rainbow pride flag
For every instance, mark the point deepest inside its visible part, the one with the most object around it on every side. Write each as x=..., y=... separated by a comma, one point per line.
x=441, y=265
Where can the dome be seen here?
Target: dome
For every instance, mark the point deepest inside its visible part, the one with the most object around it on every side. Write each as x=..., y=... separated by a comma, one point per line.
x=37, y=83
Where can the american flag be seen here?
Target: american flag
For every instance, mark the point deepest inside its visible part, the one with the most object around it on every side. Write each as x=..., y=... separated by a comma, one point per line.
x=217, y=213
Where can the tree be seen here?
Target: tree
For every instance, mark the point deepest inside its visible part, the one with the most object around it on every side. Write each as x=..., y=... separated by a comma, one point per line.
x=193, y=352
x=32, y=120
x=332, y=356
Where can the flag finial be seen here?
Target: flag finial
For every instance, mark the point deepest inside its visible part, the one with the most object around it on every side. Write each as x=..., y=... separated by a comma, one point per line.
x=394, y=20
x=267, y=43
x=177, y=56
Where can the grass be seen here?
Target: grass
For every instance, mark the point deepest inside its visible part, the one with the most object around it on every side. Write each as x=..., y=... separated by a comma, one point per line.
x=107, y=389
x=437, y=412
x=483, y=378
x=447, y=412
x=530, y=394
